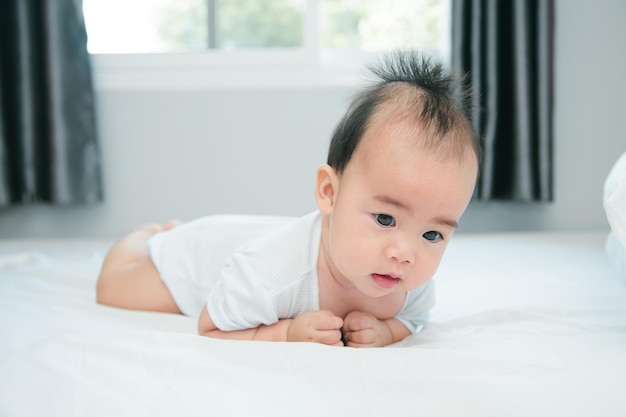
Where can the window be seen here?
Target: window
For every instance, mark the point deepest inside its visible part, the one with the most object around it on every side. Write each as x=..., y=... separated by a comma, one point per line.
x=243, y=42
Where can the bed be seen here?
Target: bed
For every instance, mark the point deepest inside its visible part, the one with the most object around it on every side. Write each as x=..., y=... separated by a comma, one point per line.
x=526, y=324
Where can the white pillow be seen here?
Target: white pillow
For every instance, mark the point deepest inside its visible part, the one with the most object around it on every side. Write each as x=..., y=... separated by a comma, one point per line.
x=615, y=207
x=617, y=254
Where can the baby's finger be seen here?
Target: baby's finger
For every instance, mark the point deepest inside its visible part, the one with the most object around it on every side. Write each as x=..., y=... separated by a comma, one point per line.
x=330, y=337
x=328, y=322
x=358, y=323
x=362, y=337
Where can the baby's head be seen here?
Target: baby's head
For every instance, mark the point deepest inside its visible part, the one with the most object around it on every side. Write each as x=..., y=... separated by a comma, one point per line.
x=401, y=171
x=421, y=93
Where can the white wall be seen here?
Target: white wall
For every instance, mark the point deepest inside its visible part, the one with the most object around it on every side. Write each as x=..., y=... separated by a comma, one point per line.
x=189, y=153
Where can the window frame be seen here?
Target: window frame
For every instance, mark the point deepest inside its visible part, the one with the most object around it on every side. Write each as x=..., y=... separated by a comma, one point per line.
x=307, y=67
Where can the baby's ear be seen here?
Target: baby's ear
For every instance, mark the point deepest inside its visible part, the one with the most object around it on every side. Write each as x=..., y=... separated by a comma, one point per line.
x=326, y=187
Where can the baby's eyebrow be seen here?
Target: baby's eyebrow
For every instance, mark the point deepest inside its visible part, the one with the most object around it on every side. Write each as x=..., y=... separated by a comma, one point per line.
x=392, y=201
x=448, y=222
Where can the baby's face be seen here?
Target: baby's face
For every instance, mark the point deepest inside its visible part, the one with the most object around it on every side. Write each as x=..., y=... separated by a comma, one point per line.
x=395, y=210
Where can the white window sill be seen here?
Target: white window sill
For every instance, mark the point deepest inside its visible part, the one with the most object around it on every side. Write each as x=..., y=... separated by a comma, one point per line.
x=206, y=71
x=224, y=80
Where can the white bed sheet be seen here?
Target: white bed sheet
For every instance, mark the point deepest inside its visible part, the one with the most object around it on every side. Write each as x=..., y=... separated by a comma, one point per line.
x=525, y=325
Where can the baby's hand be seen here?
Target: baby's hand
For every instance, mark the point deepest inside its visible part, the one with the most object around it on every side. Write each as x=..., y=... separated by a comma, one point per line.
x=362, y=329
x=316, y=326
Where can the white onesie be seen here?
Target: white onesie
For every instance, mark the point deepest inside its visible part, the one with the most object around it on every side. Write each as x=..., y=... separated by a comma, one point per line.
x=253, y=270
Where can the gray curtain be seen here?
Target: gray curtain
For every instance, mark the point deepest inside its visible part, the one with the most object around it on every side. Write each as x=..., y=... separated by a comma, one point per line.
x=48, y=144
x=506, y=49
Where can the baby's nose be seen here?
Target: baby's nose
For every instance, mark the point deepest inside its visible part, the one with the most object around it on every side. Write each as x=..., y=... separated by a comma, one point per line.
x=401, y=251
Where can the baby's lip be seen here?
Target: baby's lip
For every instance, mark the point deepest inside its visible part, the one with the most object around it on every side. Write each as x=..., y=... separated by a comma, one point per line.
x=386, y=280
x=392, y=275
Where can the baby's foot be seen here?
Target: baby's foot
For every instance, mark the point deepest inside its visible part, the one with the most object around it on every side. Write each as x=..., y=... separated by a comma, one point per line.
x=171, y=224
x=152, y=228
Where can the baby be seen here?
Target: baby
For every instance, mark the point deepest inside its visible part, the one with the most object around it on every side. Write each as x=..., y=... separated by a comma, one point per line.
x=401, y=171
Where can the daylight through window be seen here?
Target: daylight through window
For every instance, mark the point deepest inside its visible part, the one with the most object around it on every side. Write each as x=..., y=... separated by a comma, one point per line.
x=190, y=44
x=166, y=26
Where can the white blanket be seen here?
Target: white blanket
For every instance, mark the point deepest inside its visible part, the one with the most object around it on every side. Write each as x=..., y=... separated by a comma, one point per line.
x=525, y=325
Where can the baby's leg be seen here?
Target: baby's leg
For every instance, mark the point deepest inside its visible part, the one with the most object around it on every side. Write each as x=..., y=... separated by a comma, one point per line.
x=129, y=279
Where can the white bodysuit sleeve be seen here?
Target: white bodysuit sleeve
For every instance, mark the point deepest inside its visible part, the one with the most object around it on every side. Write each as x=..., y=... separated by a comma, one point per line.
x=239, y=300
x=270, y=279
x=414, y=315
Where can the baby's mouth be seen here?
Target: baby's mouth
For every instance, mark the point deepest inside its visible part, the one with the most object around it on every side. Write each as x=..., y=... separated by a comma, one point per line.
x=385, y=281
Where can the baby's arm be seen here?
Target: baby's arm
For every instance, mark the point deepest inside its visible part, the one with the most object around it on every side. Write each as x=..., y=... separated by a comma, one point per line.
x=313, y=326
x=365, y=330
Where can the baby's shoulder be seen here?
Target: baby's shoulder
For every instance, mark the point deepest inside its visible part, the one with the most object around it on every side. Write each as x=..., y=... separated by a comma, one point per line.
x=282, y=256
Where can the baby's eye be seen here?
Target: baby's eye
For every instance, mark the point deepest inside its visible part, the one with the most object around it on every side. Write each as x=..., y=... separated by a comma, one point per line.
x=432, y=236
x=385, y=220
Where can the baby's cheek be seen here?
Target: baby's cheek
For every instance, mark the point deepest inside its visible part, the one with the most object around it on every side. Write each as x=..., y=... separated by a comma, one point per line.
x=427, y=270
x=359, y=254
